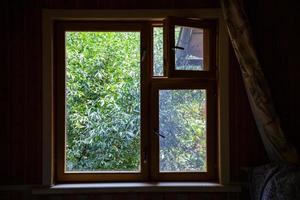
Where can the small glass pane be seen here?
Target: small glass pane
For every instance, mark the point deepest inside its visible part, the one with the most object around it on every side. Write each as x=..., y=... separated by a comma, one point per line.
x=182, y=126
x=189, y=48
x=158, y=61
x=102, y=101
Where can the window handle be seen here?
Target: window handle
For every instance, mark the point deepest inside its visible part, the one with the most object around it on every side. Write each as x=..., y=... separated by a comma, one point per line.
x=159, y=134
x=177, y=47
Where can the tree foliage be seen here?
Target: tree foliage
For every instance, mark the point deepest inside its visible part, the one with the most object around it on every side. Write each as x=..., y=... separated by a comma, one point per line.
x=103, y=101
x=103, y=108
x=182, y=122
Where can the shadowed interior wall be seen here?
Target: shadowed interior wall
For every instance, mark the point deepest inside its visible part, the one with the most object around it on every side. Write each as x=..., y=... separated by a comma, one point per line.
x=275, y=37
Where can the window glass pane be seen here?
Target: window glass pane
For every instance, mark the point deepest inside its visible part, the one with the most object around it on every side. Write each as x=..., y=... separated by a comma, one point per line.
x=102, y=101
x=182, y=124
x=189, y=48
x=158, y=69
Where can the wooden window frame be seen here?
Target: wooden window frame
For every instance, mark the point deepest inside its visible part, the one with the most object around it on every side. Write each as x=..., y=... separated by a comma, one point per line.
x=222, y=58
x=59, y=99
x=186, y=79
x=184, y=83
x=209, y=45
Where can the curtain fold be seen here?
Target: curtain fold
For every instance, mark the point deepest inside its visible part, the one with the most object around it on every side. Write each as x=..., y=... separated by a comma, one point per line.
x=267, y=121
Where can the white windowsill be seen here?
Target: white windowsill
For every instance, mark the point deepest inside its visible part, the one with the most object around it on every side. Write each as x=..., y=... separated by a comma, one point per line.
x=136, y=187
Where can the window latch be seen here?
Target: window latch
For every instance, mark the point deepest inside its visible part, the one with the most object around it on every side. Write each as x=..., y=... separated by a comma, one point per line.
x=159, y=134
x=177, y=47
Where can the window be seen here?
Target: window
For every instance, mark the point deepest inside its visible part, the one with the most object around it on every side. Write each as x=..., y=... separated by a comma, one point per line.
x=106, y=127
x=101, y=100
x=193, y=47
x=135, y=100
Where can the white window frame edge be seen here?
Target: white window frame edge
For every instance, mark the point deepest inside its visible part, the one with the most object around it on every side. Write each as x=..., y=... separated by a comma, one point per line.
x=49, y=16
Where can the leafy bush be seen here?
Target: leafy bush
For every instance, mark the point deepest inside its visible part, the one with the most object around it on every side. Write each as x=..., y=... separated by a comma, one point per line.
x=103, y=101
x=182, y=122
x=103, y=108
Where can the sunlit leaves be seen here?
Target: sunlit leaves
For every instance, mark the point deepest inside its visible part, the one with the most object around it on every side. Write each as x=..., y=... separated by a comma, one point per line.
x=103, y=101
x=103, y=107
x=158, y=51
x=182, y=120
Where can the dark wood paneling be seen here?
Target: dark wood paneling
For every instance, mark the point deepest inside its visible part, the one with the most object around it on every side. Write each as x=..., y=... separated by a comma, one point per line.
x=33, y=107
x=21, y=137
x=246, y=148
x=293, y=61
x=13, y=140
x=276, y=33
x=4, y=88
x=128, y=4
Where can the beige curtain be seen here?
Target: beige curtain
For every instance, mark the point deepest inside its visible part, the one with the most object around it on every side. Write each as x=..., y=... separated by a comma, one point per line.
x=267, y=121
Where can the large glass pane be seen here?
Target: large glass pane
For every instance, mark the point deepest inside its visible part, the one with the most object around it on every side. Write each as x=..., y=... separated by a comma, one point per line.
x=182, y=126
x=158, y=69
x=102, y=101
x=189, y=48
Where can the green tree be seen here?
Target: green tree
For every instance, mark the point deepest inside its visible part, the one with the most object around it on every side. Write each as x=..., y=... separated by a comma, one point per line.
x=103, y=100
x=103, y=107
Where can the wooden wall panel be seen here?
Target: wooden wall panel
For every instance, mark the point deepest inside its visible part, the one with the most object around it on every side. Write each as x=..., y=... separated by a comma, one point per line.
x=128, y=4
x=246, y=148
x=14, y=107
x=33, y=107
x=21, y=139
x=276, y=32
x=293, y=62
x=4, y=88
